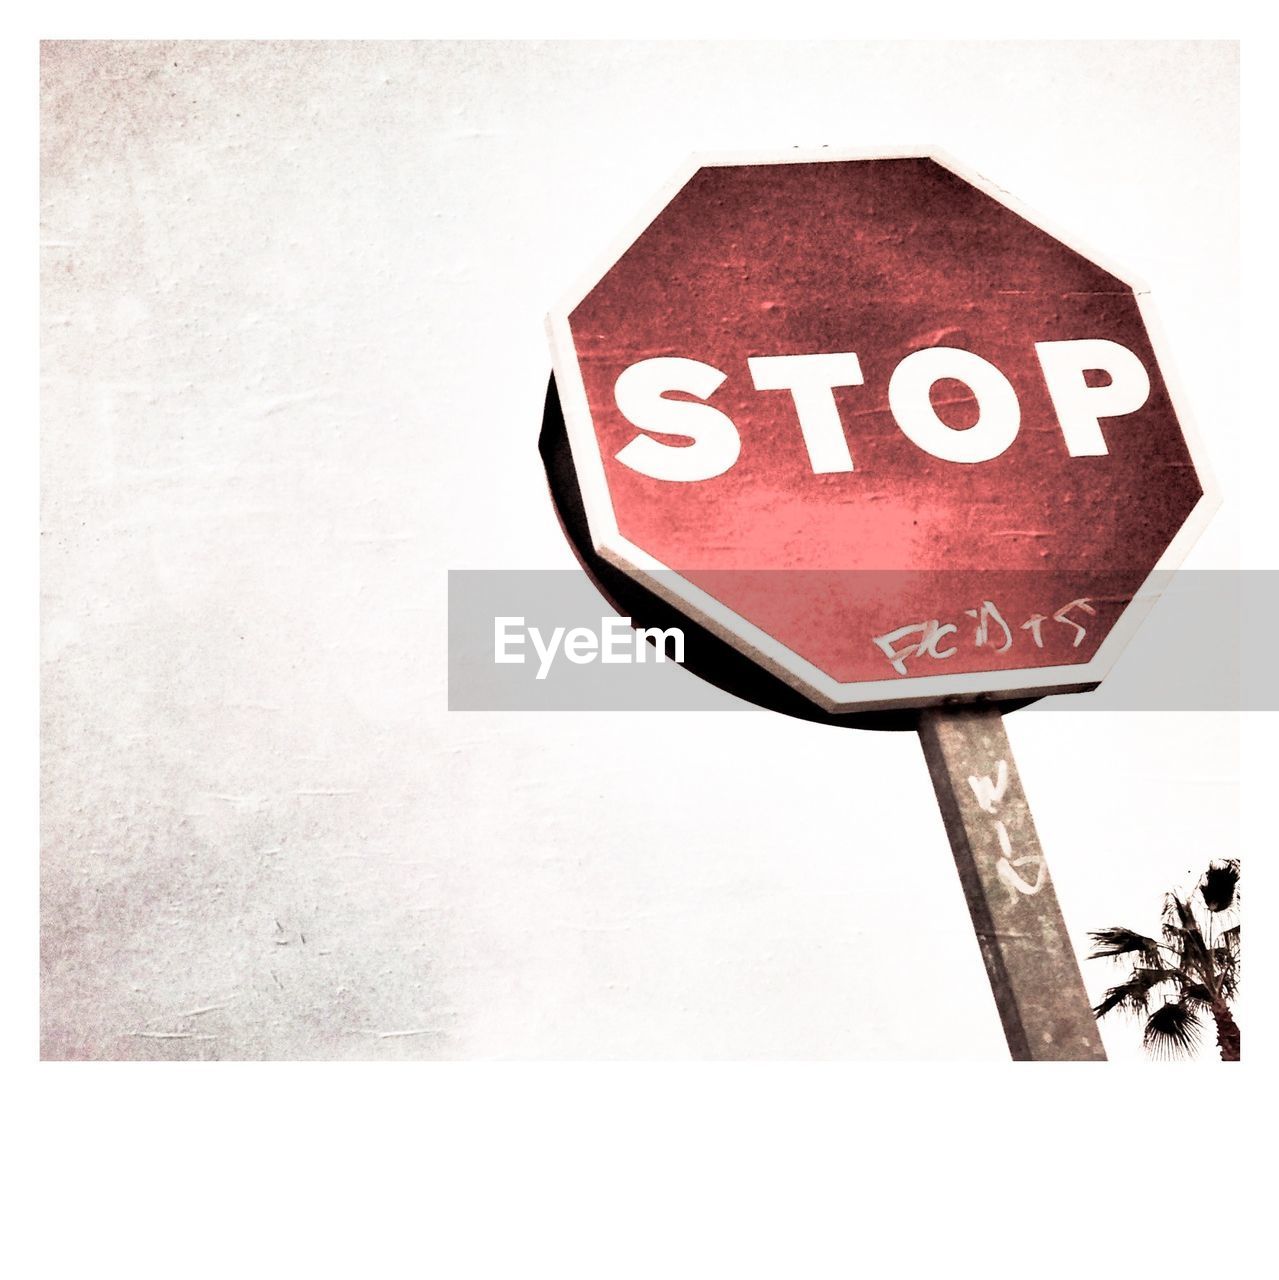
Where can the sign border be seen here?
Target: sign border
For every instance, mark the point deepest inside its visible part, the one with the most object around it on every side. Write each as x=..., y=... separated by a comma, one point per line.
x=828, y=693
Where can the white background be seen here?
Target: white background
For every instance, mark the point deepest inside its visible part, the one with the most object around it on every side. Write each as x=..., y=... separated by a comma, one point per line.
x=1135, y=150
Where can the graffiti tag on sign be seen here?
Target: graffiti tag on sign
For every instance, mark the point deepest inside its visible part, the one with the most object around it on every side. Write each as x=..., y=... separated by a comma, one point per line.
x=941, y=640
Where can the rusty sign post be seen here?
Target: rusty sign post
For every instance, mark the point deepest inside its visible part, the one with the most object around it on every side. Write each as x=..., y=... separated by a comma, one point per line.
x=895, y=450
x=1033, y=972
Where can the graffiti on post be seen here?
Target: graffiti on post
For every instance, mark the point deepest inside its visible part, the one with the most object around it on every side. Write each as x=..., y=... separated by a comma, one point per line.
x=990, y=794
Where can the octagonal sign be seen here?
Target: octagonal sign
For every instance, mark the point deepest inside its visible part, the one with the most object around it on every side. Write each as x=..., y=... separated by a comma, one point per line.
x=879, y=427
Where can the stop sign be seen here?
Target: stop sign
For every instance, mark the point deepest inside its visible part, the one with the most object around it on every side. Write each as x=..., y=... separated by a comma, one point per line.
x=878, y=427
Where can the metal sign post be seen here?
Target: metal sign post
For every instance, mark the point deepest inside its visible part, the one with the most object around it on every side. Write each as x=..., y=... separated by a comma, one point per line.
x=1033, y=972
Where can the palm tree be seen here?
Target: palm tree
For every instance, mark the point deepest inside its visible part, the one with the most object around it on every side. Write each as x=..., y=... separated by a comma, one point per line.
x=1193, y=971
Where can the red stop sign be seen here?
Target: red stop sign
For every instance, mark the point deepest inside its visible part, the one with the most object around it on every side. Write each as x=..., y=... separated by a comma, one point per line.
x=879, y=428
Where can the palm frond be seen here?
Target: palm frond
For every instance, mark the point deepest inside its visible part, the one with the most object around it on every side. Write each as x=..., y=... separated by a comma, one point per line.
x=1133, y=995
x=1172, y=1031
x=1178, y=915
x=1184, y=935
x=1118, y=942
x=1219, y=885
x=1120, y=997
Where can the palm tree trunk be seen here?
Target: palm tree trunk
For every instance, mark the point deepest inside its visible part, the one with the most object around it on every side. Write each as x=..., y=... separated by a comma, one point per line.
x=1227, y=1032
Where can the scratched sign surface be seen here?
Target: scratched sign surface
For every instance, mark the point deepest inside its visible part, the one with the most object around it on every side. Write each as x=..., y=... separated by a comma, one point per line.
x=877, y=427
